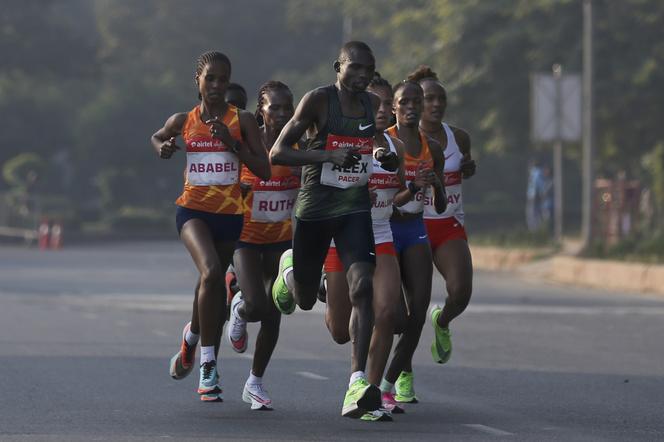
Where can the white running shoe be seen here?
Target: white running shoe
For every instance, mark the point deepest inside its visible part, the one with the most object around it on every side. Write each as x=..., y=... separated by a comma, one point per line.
x=237, y=328
x=256, y=395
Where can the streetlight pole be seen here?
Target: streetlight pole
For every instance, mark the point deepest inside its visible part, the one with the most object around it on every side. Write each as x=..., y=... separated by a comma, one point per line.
x=558, y=158
x=587, y=172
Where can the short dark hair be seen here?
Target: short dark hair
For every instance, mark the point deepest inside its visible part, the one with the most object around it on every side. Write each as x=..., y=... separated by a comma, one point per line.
x=346, y=49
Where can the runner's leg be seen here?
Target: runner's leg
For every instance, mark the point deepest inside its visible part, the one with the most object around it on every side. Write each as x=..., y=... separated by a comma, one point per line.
x=453, y=261
x=416, y=270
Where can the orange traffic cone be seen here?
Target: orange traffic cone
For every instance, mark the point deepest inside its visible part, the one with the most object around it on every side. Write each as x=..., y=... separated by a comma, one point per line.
x=43, y=234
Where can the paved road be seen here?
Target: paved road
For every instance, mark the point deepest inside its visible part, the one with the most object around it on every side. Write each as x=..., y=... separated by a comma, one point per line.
x=86, y=334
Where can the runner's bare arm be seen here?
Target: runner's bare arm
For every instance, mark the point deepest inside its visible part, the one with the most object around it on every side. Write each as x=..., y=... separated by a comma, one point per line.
x=163, y=141
x=403, y=196
x=468, y=165
x=439, y=195
x=253, y=152
x=309, y=113
x=306, y=115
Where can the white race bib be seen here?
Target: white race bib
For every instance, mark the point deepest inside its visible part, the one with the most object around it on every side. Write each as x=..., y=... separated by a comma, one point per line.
x=454, y=199
x=274, y=199
x=385, y=185
x=346, y=177
x=416, y=205
x=212, y=168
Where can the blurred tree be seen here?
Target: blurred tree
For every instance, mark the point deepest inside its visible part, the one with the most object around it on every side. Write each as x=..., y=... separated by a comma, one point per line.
x=87, y=82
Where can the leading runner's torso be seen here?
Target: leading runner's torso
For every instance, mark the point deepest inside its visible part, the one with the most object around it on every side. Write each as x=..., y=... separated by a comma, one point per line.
x=330, y=191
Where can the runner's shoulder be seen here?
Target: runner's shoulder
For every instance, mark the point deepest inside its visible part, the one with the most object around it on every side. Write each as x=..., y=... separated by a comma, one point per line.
x=398, y=144
x=461, y=136
x=314, y=100
x=175, y=122
x=434, y=145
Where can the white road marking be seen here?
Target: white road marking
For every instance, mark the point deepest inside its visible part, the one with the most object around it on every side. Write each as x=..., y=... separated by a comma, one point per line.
x=310, y=375
x=565, y=310
x=182, y=303
x=488, y=430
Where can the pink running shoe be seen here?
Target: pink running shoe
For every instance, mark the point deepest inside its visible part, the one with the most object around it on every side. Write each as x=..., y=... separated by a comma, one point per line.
x=390, y=404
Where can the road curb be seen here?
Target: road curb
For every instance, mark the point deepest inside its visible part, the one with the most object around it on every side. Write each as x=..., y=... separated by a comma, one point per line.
x=604, y=274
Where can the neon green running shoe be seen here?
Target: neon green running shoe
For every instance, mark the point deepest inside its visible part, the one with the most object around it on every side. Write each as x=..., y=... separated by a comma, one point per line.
x=361, y=398
x=282, y=297
x=379, y=415
x=405, y=393
x=441, y=347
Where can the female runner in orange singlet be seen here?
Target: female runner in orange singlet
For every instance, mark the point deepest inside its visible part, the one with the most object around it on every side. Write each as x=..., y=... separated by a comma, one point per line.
x=219, y=138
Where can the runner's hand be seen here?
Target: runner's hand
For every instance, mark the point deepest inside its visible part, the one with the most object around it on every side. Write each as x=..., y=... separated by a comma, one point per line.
x=467, y=166
x=388, y=160
x=344, y=157
x=167, y=148
x=220, y=131
x=424, y=176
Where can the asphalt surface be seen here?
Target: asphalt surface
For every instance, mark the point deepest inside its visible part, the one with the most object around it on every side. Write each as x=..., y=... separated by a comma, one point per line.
x=86, y=334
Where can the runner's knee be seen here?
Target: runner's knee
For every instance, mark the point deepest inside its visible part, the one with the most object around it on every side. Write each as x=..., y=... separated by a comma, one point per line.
x=254, y=311
x=339, y=333
x=459, y=294
x=305, y=294
x=360, y=287
x=211, y=275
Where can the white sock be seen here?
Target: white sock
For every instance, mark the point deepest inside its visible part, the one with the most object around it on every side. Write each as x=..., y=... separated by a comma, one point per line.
x=207, y=353
x=285, y=275
x=191, y=338
x=254, y=380
x=386, y=387
x=355, y=376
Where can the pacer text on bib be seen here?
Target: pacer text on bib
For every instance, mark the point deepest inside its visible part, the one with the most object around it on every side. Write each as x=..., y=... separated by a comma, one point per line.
x=354, y=176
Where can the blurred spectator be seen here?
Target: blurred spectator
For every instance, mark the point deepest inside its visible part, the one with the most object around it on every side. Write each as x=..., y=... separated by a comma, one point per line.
x=533, y=209
x=545, y=196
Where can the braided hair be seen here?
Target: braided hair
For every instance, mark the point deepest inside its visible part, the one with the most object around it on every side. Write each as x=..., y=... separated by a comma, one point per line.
x=208, y=58
x=378, y=81
x=424, y=72
x=271, y=85
x=402, y=84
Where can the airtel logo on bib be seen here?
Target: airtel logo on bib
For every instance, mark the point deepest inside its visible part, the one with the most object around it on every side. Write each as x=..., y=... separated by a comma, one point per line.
x=348, y=145
x=216, y=143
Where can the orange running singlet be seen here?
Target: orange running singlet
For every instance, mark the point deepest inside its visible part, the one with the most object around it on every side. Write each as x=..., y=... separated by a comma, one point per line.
x=212, y=175
x=269, y=205
x=411, y=165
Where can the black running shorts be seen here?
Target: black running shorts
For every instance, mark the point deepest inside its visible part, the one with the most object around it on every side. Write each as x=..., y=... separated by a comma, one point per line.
x=353, y=237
